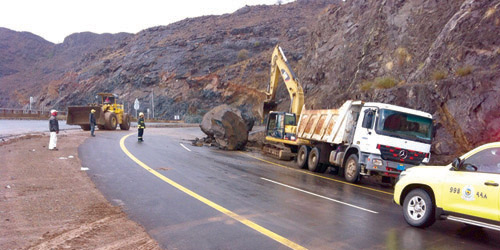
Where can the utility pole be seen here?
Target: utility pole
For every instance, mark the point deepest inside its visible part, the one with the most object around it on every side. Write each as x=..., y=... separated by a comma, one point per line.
x=153, y=103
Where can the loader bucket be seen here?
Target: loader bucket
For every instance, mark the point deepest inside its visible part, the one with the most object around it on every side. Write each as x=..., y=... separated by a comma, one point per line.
x=79, y=115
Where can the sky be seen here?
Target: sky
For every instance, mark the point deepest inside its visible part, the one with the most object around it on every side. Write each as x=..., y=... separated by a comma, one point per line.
x=55, y=19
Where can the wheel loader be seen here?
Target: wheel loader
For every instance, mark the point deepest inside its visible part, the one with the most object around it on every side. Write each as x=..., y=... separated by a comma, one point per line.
x=108, y=114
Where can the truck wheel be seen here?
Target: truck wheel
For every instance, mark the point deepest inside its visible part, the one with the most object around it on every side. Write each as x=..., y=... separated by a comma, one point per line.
x=418, y=209
x=125, y=123
x=302, y=156
x=85, y=127
x=110, y=121
x=313, y=160
x=351, y=169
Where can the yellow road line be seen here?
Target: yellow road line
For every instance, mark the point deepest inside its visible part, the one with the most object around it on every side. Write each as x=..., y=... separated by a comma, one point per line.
x=317, y=175
x=217, y=207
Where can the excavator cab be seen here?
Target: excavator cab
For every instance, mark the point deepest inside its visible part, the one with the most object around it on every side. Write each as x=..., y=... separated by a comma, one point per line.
x=281, y=125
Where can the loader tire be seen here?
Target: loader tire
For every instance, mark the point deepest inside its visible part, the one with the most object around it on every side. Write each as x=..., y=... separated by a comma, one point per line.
x=85, y=127
x=110, y=121
x=125, y=125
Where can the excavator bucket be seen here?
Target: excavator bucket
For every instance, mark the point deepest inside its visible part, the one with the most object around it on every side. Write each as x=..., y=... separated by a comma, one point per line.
x=79, y=115
x=268, y=107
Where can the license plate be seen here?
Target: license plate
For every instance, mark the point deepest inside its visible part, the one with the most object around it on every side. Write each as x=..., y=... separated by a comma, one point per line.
x=401, y=167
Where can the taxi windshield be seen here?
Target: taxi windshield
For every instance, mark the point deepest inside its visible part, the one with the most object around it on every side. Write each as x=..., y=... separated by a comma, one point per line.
x=404, y=125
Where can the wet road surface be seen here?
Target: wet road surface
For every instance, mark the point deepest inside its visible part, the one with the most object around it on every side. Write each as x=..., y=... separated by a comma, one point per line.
x=309, y=210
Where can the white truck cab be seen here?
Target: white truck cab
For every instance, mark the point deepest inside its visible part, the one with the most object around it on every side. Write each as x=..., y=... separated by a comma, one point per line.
x=392, y=138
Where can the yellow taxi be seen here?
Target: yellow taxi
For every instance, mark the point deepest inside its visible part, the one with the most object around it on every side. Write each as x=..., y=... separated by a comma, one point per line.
x=467, y=190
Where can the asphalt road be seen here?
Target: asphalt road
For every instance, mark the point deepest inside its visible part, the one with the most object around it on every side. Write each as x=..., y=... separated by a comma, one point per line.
x=189, y=197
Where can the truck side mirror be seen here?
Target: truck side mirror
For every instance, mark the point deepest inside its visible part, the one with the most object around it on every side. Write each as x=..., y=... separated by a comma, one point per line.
x=434, y=130
x=368, y=119
x=456, y=163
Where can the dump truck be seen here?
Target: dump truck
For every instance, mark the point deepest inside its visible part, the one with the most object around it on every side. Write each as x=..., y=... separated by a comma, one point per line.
x=108, y=114
x=363, y=139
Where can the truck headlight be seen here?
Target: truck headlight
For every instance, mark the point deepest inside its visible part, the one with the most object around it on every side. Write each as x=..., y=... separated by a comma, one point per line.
x=377, y=162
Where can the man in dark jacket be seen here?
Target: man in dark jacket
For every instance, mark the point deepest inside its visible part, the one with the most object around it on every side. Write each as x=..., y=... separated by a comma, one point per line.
x=141, y=126
x=92, y=122
x=54, y=130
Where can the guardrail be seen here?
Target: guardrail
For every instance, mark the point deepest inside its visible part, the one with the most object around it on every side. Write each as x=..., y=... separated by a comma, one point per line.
x=29, y=114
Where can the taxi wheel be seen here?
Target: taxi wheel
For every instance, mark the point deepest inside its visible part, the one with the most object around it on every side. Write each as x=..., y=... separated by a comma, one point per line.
x=418, y=209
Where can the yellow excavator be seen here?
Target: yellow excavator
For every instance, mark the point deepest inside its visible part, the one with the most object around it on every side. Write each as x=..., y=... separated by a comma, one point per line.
x=281, y=127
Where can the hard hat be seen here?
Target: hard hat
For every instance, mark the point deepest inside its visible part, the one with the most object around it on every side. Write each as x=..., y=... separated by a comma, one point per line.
x=53, y=112
x=141, y=114
x=92, y=111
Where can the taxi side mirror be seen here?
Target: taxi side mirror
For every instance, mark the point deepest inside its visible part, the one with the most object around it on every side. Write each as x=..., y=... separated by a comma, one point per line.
x=455, y=163
x=470, y=168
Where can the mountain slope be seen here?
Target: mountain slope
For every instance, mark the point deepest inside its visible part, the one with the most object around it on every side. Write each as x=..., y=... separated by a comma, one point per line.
x=29, y=64
x=440, y=57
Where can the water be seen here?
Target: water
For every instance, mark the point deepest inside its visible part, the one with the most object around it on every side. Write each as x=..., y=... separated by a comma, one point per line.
x=19, y=127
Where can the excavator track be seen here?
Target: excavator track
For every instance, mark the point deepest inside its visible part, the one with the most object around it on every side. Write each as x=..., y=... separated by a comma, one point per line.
x=280, y=152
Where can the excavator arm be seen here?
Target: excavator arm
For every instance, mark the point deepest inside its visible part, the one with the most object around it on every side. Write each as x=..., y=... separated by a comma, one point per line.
x=280, y=66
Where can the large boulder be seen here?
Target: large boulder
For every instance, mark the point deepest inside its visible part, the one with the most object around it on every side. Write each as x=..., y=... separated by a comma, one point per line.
x=226, y=125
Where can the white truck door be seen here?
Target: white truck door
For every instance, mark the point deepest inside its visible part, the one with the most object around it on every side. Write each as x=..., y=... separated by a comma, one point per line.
x=364, y=129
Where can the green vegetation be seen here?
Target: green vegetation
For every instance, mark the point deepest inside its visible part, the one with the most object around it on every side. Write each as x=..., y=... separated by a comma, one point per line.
x=243, y=55
x=463, y=71
x=439, y=75
x=366, y=85
x=379, y=83
x=402, y=56
x=421, y=66
x=385, y=82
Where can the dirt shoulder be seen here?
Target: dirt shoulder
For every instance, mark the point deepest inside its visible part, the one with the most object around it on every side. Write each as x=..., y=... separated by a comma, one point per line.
x=48, y=202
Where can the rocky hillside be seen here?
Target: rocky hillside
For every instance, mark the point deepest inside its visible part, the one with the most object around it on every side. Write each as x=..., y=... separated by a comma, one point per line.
x=438, y=56
x=30, y=65
x=190, y=66
x=442, y=57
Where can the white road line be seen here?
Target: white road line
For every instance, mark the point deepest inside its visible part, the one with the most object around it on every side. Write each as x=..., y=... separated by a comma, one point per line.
x=185, y=147
x=473, y=222
x=320, y=196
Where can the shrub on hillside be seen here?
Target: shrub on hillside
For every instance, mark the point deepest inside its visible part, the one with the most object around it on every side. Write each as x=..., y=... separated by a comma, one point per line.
x=463, y=71
x=366, y=85
x=439, y=75
x=385, y=82
x=243, y=55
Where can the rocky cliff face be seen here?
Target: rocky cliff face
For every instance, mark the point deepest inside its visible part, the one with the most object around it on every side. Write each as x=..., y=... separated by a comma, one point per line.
x=32, y=66
x=196, y=64
x=442, y=57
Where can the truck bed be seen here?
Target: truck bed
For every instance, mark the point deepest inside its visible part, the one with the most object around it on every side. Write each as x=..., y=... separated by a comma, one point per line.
x=327, y=125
